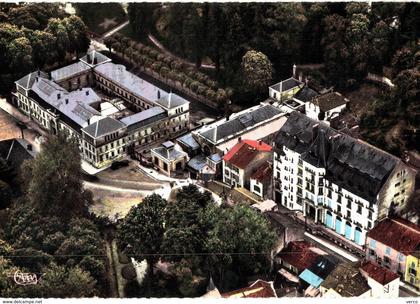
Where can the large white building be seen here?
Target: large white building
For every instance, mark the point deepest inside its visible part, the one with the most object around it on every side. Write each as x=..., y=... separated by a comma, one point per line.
x=108, y=109
x=336, y=180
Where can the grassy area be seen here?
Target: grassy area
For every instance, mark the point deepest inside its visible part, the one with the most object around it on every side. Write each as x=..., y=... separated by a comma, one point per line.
x=100, y=18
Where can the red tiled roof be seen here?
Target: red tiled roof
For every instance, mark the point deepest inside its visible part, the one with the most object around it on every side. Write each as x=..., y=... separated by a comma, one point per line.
x=264, y=172
x=401, y=235
x=378, y=273
x=244, y=152
x=258, y=289
x=298, y=254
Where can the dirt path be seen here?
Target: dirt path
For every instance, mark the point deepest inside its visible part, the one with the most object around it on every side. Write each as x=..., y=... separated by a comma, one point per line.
x=168, y=53
x=113, y=286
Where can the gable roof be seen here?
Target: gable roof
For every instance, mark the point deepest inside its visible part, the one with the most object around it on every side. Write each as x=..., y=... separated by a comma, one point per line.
x=69, y=71
x=286, y=85
x=143, y=118
x=245, y=151
x=168, y=151
x=350, y=163
x=401, y=235
x=103, y=127
x=298, y=254
x=94, y=58
x=380, y=274
x=346, y=280
x=258, y=289
x=306, y=93
x=330, y=101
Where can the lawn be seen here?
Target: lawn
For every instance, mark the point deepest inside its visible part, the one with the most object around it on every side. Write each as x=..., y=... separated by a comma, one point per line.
x=100, y=18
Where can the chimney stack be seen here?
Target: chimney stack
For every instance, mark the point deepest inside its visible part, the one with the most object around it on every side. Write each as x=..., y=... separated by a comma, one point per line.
x=67, y=101
x=239, y=139
x=58, y=95
x=49, y=75
x=158, y=94
x=294, y=70
x=260, y=142
x=87, y=92
x=29, y=147
x=300, y=76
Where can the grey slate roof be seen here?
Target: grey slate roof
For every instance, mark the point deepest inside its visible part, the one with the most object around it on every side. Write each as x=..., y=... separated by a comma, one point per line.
x=241, y=123
x=69, y=71
x=168, y=154
x=15, y=151
x=286, y=85
x=350, y=163
x=143, y=118
x=132, y=83
x=197, y=162
x=189, y=141
x=74, y=104
x=305, y=94
x=103, y=127
x=28, y=80
x=171, y=100
x=215, y=158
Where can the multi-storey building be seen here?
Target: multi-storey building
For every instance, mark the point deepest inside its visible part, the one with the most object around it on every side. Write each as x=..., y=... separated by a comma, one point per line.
x=336, y=180
x=393, y=243
x=64, y=100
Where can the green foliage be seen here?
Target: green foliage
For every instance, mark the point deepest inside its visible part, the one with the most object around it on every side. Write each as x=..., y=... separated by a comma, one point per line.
x=55, y=185
x=257, y=71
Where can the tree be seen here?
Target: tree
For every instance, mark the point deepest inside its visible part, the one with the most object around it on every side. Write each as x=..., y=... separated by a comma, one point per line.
x=77, y=34
x=5, y=195
x=55, y=185
x=141, y=16
x=58, y=29
x=403, y=60
x=141, y=232
x=245, y=238
x=109, y=41
x=257, y=71
x=381, y=45
x=20, y=52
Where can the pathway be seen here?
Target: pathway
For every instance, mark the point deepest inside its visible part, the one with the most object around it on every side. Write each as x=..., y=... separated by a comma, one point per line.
x=115, y=29
x=168, y=53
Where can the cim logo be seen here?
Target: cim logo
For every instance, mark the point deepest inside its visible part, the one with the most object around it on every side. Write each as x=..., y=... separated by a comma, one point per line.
x=24, y=278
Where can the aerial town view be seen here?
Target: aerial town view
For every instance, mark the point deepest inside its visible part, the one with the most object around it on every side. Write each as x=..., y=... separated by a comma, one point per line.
x=216, y=150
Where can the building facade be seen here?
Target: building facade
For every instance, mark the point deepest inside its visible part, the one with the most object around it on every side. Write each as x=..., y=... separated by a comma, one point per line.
x=68, y=100
x=336, y=180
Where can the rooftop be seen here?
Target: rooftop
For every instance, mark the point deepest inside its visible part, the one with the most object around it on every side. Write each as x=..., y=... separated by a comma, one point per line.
x=318, y=271
x=380, y=274
x=28, y=80
x=15, y=151
x=132, y=83
x=298, y=254
x=346, y=280
x=401, y=235
x=245, y=151
x=258, y=289
x=263, y=173
x=74, y=104
x=143, y=118
x=330, y=101
x=69, y=71
x=306, y=93
x=198, y=162
x=103, y=127
x=171, y=100
x=94, y=58
x=189, y=141
x=238, y=122
x=169, y=151
x=349, y=163
x=286, y=85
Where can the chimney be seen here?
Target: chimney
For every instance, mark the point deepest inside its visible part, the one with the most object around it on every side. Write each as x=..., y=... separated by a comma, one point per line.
x=36, y=78
x=294, y=70
x=49, y=75
x=29, y=147
x=87, y=92
x=67, y=101
x=306, y=80
x=39, y=72
x=239, y=139
x=95, y=60
x=58, y=95
x=260, y=142
x=315, y=129
x=300, y=76
x=158, y=94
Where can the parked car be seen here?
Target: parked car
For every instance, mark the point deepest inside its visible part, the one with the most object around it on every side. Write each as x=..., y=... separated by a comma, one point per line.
x=119, y=164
